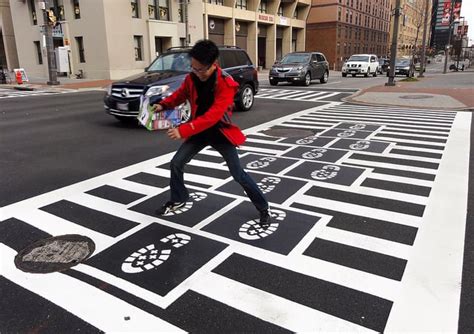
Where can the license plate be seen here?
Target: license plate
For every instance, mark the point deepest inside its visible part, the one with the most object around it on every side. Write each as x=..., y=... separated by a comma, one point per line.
x=281, y=75
x=122, y=106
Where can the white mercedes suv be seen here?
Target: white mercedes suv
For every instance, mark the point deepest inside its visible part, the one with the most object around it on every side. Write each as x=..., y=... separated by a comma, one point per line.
x=365, y=64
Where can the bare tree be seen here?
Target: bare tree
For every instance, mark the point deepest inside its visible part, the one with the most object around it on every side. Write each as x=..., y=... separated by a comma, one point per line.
x=418, y=17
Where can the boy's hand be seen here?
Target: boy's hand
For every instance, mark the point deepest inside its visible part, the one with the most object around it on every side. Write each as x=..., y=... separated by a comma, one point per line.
x=173, y=133
x=157, y=108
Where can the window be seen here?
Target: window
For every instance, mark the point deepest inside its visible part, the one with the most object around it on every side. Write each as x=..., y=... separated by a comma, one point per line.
x=134, y=4
x=263, y=6
x=38, y=52
x=77, y=9
x=34, y=18
x=137, y=41
x=158, y=10
x=59, y=10
x=280, y=10
x=158, y=45
x=80, y=48
x=217, y=2
x=339, y=13
x=295, y=15
x=242, y=4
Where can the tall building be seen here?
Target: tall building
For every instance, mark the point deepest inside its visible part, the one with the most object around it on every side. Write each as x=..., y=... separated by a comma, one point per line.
x=112, y=39
x=411, y=26
x=441, y=19
x=8, y=52
x=340, y=28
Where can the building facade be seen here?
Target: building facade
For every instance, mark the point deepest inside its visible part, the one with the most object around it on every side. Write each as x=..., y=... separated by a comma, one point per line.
x=8, y=52
x=340, y=28
x=112, y=39
x=441, y=21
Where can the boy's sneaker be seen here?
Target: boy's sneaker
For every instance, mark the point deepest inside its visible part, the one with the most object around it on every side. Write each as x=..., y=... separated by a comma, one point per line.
x=170, y=207
x=265, y=218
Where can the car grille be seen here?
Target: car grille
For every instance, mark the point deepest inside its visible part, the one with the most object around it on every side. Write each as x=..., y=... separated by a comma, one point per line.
x=127, y=93
x=283, y=70
x=354, y=65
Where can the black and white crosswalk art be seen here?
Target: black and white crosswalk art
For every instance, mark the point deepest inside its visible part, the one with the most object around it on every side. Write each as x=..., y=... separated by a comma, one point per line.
x=360, y=240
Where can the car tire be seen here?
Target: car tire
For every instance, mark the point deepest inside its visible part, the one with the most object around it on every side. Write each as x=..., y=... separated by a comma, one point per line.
x=375, y=74
x=273, y=82
x=307, y=79
x=344, y=75
x=246, y=98
x=324, y=78
x=367, y=74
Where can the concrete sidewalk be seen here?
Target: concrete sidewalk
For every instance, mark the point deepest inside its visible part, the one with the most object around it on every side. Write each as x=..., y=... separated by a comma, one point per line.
x=450, y=91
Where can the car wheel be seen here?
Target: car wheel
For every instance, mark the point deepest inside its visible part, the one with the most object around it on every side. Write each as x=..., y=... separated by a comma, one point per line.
x=344, y=75
x=246, y=98
x=375, y=73
x=273, y=82
x=307, y=79
x=367, y=74
x=324, y=78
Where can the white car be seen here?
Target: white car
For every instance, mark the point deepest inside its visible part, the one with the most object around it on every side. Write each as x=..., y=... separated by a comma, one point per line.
x=365, y=64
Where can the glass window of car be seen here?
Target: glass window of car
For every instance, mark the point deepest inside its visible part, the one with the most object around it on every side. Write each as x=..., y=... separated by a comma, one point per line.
x=228, y=59
x=242, y=58
x=372, y=59
x=295, y=58
x=359, y=58
x=402, y=62
x=314, y=57
x=176, y=61
x=320, y=57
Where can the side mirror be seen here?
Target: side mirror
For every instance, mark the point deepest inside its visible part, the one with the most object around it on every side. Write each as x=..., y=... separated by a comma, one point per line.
x=146, y=69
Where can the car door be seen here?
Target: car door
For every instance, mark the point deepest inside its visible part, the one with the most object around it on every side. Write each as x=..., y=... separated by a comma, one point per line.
x=315, y=66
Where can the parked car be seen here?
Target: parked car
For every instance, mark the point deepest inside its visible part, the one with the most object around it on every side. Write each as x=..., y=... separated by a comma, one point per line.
x=384, y=64
x=365, y=64
x=167, y=72
x=403, y=66
x=300, y=68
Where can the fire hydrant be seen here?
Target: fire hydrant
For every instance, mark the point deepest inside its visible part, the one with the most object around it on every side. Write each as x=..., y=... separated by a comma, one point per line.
x=18, y=77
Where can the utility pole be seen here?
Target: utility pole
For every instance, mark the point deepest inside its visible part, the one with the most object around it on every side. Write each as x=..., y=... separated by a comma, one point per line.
x=48, y=33
x=447, y=47
x=423, y=46
x=393, y=48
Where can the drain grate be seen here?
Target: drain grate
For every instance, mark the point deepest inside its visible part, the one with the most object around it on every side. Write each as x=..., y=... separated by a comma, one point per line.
x=54, y=254
x=289, y=133
x=416, y=97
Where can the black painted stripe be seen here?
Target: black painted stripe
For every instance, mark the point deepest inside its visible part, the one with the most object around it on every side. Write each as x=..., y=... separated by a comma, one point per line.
x=149, y=180
x=367, y=226
x=203, y=171
x=400, y=187
x=115, y=194
x=355, y=306
x=417, y=153
x=273, y=139
x=26, y=312
x=368, y=201
x=17, y=234
x=397, y=172
x=431, y=140
x=357, y=258
x=396, y=161
x=192, y=312
x=92, y=219
x=265, y=146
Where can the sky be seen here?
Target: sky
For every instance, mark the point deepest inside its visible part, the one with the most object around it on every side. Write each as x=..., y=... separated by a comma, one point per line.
x=467, y=10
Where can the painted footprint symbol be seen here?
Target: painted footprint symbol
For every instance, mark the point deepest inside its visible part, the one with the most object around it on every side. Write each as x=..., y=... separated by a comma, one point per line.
x=194, y=197
x=252, y=230
x=260, y=163
x=149, y=257
x=268, y=184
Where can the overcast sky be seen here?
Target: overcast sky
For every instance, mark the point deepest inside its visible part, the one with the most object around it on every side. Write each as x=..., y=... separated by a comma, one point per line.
x=467, y=10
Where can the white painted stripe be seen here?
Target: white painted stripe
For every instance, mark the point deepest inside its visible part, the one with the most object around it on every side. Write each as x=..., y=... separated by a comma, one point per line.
x=277, y=310
x=299, y=93
x=401, y=141
x=401, y=179
x=433, y=275
x=325, y=96
x=260, y=150
x=134, y=187
x=92, y=305
x=375, y=164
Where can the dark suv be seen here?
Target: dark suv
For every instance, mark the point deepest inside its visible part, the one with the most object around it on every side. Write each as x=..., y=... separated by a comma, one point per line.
x=167, y=72
x=301, y=68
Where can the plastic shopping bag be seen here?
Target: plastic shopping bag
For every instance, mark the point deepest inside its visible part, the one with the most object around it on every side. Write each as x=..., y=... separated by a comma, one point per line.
x=158, y=121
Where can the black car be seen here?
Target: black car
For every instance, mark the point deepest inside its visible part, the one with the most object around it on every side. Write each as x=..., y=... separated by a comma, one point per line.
x=167, y=72
x=403, y=66
x=384, y=64
x=300, y=68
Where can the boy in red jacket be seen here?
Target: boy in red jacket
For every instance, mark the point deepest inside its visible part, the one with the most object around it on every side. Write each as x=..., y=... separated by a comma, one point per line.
x=210, y=92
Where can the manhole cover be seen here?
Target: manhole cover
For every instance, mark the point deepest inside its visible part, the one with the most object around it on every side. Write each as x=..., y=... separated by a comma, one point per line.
x=289, y=133
x=54, y=254
x=416, y=97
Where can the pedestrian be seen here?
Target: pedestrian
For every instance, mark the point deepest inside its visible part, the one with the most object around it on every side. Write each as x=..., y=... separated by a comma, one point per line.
x=210, y=92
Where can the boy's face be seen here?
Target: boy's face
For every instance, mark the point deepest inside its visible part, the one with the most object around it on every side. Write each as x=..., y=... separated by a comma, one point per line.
x=203, y=72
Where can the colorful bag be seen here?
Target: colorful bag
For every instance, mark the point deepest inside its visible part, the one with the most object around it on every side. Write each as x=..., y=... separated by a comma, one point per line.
x=158, y=121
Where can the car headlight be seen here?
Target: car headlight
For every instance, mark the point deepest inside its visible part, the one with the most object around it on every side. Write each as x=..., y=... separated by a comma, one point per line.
x=157, y=90
x=406, y=68
x=299, y=68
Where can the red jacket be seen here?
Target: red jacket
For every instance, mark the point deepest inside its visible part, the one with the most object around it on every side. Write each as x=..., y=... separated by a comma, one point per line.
x=220, y=111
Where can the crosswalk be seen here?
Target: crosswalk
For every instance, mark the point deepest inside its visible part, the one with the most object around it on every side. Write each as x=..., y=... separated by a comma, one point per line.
x=301, y=95
x=359, y=196
x=10, y=93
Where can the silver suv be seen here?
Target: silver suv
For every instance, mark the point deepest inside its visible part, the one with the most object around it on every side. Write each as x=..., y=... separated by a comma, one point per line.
x=300, y=68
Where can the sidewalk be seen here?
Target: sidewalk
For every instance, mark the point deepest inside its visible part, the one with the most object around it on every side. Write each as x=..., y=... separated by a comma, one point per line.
x=453, y=91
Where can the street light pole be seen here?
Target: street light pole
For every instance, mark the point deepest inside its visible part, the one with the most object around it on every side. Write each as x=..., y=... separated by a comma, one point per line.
x=393, y=48
x=48, y=32
x=423, y=45
x=447, y=47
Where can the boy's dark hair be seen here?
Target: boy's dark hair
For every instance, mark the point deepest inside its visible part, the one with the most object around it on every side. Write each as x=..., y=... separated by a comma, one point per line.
x=205, y=51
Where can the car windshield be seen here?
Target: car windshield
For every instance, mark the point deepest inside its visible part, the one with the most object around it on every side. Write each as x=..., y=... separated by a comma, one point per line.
x=359, y=58
x=402, y=62
x=176, y=61
x=295, y=58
